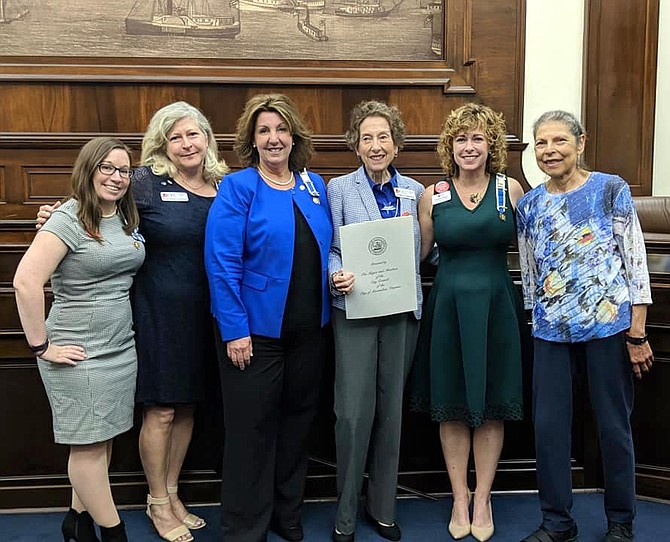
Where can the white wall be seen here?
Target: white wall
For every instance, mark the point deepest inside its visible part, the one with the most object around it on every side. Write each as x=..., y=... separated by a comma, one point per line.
x=553, y=78
x=554, y=50
x=661, y=173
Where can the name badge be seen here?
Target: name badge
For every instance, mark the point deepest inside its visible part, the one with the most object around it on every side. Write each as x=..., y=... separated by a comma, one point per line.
x=174, y=196
x=405, y=193
x=441, y=198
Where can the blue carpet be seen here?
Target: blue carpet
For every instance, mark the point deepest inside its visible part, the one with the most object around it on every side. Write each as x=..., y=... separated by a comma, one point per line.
x=421, y=521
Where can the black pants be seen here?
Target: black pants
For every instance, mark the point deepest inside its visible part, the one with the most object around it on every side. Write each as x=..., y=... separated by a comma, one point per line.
x=268, y=411
x=610, y=380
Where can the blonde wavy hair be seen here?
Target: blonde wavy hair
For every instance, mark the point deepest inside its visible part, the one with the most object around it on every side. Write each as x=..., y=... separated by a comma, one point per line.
x=470, y=117
x=154, y=144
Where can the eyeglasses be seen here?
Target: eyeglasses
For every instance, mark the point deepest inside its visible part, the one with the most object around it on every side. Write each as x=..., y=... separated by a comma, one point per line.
x=109, y=169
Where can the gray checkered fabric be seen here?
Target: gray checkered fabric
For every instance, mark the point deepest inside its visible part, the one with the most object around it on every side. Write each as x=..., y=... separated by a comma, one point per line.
x=93, y=401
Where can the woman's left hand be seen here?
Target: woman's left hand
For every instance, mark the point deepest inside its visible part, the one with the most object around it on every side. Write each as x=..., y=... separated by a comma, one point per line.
x=641, y=357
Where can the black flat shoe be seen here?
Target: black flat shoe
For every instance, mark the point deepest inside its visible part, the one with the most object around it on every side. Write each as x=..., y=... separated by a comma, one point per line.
x=339, y=537
x=292, y=533
x=390, y=532
x=619, y=532
x=547, y=535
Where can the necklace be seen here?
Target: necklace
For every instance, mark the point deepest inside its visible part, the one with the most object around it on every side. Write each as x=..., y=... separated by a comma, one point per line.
x=183, y=179
x=273, y=181
x=110, y=215
x=476, y=197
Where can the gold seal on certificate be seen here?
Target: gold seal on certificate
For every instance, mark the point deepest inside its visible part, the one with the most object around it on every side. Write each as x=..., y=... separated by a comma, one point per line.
x=380, y=254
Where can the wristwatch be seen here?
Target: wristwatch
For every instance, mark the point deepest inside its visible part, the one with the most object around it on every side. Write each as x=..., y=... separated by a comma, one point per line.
x=637, y=341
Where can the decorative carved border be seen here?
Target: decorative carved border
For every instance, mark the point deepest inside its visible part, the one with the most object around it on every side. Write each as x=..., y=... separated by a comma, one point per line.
x=452, y=74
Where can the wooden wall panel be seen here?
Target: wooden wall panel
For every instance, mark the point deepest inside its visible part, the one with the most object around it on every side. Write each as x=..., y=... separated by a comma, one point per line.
x=50, y=108
x=621, y=44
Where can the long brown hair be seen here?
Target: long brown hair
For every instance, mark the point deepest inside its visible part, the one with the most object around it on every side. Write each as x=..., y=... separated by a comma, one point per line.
x=85, y=167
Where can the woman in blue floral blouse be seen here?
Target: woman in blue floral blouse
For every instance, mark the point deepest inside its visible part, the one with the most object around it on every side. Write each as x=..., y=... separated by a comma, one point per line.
x=584, y=274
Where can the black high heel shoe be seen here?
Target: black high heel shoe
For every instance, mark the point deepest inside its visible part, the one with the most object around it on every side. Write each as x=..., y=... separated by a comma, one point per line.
x=114, y=534
x=78, y=527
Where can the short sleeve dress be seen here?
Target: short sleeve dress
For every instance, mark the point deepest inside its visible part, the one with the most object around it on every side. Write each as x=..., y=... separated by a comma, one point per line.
x=467, y=365
x=171, y=307
x=94, y=400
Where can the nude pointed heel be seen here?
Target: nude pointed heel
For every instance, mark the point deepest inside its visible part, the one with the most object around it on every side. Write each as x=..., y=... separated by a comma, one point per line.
x=191, y=520
x=459, y=531
x=484, y=533
x=178, y=534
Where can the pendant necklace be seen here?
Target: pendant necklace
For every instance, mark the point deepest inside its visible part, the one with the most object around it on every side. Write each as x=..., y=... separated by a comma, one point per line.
x=477, y=197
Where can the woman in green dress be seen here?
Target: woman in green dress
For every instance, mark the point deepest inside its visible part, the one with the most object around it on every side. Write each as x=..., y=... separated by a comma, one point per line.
x=467, y=372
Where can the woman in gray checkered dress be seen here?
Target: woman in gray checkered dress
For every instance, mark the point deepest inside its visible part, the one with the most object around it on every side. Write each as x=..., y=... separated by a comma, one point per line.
x=85, y=349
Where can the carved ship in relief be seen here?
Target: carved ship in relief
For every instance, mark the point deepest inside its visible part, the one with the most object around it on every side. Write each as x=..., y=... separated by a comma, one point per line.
x=280, y=5
x=317, y=33
x=435, y=21
x=186, y=18
x=365, y=8
x=12, y=11
x=261, y=5
x=311, y=5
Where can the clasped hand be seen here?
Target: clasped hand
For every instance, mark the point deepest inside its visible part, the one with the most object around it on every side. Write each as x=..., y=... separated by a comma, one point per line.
x=343, y=281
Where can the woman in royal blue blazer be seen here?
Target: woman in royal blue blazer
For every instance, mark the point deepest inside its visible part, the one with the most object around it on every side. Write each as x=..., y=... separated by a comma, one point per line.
x=266, y=252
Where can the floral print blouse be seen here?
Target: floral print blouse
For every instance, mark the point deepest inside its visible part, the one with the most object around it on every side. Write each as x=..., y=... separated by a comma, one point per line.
x=583, y=261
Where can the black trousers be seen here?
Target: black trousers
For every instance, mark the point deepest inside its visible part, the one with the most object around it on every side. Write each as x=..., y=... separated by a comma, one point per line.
x=610, y=381
x=268, y=411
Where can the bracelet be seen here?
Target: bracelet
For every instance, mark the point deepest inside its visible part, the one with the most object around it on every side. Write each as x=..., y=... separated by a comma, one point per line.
x=40, y=348
x=637, y=341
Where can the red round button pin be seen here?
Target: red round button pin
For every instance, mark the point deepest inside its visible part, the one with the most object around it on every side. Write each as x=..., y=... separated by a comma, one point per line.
x=442, y=186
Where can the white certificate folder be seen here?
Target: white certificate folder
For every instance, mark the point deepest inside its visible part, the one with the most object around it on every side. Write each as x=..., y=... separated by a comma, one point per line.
x=380, y=254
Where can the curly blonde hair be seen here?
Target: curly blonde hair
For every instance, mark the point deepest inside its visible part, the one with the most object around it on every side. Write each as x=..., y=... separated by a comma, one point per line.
x=467, y=118
x=302, y=150
x=154, y=144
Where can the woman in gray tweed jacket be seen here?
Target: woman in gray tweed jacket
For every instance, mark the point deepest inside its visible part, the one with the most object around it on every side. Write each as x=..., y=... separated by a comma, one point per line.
x=372, y=355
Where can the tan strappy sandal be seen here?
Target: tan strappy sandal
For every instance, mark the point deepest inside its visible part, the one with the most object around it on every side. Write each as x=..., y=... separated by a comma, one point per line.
x=178, y=534
x=192, y=521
